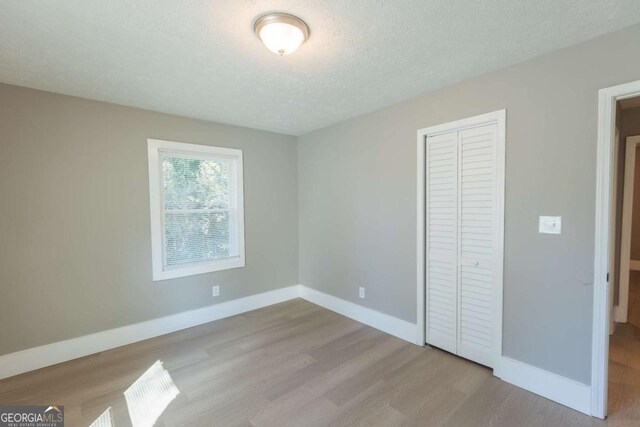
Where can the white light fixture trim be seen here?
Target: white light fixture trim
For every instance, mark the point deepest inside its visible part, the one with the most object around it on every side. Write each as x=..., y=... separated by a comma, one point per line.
x=281, y=33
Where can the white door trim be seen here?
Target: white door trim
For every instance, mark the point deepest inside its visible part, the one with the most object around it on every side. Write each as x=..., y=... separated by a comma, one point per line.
x=600, y=339
x=499, y=118
x=613, y=268
x=631, y=146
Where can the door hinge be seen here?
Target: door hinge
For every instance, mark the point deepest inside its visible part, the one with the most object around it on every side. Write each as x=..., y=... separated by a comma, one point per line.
x=607, y=277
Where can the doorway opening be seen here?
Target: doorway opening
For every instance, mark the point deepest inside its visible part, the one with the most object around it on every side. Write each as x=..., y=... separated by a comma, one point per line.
x=616, y=341
x=624, y=274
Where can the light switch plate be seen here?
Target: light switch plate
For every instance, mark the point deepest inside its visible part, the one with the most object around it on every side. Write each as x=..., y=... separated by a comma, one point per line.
x=550, y=225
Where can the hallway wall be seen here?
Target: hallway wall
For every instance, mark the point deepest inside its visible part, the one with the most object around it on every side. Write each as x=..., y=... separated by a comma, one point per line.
x=630, y=126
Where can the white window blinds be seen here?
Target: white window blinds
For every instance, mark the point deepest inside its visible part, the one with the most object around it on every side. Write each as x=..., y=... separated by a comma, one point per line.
x=198, y=218
x=196, y=209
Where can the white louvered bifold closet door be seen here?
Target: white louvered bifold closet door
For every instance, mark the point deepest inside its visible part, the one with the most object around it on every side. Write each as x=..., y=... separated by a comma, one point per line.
x=442, y=240
x=461, y=245
x=478, y=243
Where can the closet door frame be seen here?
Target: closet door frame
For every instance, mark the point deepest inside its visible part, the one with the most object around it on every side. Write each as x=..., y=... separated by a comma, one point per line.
x=498, y=118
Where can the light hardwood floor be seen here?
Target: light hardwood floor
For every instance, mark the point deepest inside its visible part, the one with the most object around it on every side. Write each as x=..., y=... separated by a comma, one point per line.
x=292, y=364
x=624, y=363
x=624, y=375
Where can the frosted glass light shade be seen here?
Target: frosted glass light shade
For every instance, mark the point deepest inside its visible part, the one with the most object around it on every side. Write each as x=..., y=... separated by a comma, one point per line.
x=281, y=33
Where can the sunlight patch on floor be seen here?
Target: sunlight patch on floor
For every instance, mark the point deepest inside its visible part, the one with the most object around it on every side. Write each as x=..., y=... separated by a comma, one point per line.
x=149, y=395
x=104, y=420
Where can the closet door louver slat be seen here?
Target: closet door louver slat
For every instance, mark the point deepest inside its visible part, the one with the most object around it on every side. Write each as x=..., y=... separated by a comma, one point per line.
x=462, y=249
x=478, y=248
x=442, y=238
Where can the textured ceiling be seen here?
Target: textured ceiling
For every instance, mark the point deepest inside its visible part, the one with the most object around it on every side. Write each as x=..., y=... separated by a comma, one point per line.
x=201, y=59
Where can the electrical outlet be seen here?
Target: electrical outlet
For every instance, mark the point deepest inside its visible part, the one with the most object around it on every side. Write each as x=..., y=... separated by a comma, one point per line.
x=361, y=292
x=215, y=291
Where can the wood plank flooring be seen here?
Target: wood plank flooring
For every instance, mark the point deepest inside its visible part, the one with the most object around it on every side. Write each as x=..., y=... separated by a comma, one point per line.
x=624, y=363
x=291, y=364
x=624, y=375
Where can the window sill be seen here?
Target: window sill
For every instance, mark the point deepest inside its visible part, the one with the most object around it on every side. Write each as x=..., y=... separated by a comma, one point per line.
x=199, y=268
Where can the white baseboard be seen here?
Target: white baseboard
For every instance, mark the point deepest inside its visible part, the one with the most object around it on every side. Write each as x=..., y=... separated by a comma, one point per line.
x=554, y=387
x=389, y=324
x=618, y=315
x=62, y=351
x=634, y=265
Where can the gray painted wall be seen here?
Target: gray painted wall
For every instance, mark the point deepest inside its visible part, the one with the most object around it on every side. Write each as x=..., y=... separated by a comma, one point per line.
x=75, y=254
x=357, y=184
x=635, y=215
x=630, y=126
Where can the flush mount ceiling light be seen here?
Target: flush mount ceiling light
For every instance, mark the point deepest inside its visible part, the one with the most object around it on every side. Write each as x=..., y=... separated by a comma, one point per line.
x=281, y=33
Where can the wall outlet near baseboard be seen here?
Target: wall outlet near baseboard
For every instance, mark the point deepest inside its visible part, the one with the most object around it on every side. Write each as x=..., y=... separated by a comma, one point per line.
x=215, y=291
x=361, y=292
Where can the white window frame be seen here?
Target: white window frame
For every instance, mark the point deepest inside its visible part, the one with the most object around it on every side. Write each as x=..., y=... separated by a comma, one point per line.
x=155, y=149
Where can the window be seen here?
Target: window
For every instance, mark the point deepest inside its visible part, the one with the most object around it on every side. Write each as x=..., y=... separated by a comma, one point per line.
x=197, y=214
